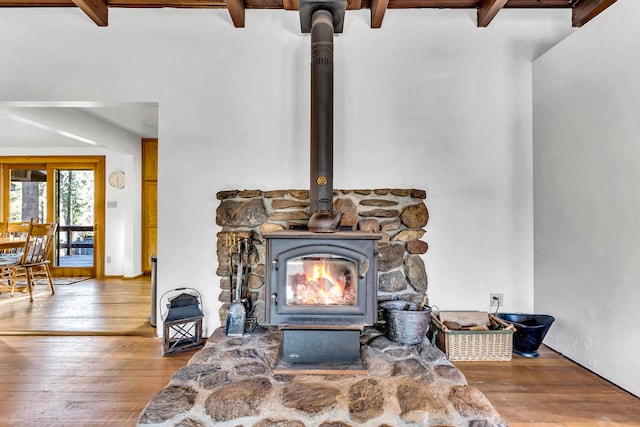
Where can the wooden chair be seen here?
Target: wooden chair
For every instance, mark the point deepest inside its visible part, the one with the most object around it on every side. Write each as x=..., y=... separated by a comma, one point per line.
x=17, y=228
x=34, y=262
x=10, y=256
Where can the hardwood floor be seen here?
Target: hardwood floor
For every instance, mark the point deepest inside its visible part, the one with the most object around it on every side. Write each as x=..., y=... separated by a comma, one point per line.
x=88, y=357
x=85, y=356
x=105, y=307
x=82, y=380
x=550, y=390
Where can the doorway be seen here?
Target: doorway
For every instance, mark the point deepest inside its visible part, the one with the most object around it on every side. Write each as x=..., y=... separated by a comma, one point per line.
x=69, y=189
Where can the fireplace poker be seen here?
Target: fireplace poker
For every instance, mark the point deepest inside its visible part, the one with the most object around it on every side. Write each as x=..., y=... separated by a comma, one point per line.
x=229, y=242
x=236, y=314
x=240, y=273
x=245, y=277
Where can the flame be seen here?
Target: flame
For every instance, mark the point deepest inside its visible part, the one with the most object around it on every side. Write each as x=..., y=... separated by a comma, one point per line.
x=319, y=286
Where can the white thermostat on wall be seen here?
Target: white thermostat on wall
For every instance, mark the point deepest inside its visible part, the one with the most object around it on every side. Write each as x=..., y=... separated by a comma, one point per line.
x=116, y=179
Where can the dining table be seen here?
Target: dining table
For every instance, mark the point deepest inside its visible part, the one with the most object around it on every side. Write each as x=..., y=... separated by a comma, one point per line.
x=12, y=243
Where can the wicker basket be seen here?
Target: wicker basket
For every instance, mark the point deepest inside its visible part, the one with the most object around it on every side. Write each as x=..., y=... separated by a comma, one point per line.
x=492, y=345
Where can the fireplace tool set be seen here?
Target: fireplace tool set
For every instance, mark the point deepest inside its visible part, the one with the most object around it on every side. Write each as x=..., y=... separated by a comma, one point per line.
x=240, y=317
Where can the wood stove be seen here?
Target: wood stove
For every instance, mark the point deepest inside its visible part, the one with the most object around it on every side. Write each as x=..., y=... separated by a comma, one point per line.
x=321, y=282
x=323, y=291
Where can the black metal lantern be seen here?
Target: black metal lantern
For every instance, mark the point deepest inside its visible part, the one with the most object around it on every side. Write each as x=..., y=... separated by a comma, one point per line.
x=182, y=320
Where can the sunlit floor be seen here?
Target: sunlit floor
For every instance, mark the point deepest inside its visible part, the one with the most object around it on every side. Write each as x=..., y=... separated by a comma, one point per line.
x=97, y=307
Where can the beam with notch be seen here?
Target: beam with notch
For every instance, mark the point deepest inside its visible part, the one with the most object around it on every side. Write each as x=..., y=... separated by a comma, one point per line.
x=585, y=10
x=290, y=4
x=487, y=10
x=97, y=10
x=378, y=8
x=236, y=10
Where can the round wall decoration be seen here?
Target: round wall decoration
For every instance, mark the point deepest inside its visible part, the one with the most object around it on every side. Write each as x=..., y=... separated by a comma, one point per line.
x=116, y=179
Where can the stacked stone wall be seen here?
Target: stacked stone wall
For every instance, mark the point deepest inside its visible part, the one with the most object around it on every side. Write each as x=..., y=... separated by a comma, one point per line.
x=400, y=215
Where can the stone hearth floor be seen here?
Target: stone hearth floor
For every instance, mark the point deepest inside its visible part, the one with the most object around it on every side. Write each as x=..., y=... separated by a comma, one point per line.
x=230, y=382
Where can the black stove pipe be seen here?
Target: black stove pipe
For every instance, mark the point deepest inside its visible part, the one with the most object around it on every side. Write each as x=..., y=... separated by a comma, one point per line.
x=323, y=218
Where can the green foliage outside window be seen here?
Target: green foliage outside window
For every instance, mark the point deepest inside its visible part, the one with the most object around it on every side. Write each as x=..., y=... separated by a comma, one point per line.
x=76, y=197
x=28, y=199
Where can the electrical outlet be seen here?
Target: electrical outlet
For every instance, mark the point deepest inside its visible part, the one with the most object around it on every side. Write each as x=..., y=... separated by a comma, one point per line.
x=496, y=300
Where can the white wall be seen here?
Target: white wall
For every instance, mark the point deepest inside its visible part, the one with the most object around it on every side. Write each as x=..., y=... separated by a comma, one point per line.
x=123, y=222
x=429, y=101
x=587, y=209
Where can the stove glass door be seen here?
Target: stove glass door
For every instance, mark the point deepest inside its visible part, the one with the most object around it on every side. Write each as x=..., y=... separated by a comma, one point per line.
x=321, y=280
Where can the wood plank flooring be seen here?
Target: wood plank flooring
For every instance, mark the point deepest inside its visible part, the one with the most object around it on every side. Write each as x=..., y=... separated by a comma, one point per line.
x=80, y=381
x=85, y=356
x=106, y=307
x=550, y=390
x=88, y=357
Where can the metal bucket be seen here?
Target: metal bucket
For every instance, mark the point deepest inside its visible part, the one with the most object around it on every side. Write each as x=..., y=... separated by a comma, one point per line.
x=408, y=326
x=388, y=306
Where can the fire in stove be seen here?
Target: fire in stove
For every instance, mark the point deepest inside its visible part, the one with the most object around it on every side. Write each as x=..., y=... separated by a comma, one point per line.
x=321, y=280
x=323, y=292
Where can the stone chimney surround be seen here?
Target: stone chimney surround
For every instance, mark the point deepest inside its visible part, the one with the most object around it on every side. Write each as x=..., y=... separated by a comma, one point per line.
x=400, y=215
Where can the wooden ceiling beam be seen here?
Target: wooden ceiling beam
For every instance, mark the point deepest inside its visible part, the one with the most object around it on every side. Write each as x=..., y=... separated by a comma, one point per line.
x=97, y=10
x=290, y=4
x=585, y=10
x=378, y=8
x=354, y=4
x=487, y=10
x=236, y=10
x=143, y=4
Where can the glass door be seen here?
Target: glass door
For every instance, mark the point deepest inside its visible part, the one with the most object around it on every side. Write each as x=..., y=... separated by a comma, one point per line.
x=67, y=188
x=74, y=207
x=27, y=193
